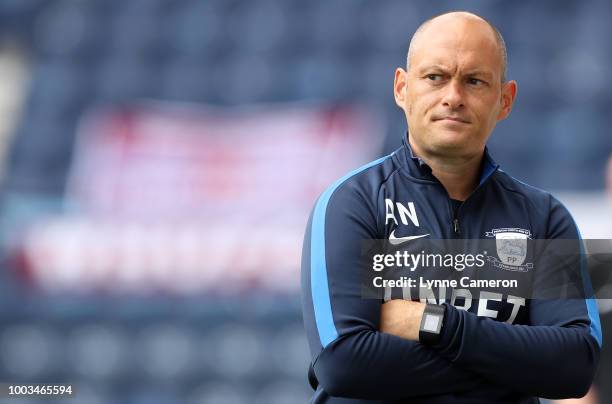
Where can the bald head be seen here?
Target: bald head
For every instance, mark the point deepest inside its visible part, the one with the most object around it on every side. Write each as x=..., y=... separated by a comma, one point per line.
x=454, y=21
x=453, y=91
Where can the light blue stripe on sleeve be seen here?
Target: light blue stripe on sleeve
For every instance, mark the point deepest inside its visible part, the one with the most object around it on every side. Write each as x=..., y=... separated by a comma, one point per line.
x=591, y=303
x=318, y=264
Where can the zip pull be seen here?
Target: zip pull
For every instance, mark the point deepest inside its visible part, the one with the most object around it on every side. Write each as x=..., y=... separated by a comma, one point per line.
x=456, y=225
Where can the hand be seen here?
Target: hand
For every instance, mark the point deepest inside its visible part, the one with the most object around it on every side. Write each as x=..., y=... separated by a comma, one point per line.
x=402, y=318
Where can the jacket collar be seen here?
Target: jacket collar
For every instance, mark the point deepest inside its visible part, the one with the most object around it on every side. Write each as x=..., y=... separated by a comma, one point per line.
x=421, y=169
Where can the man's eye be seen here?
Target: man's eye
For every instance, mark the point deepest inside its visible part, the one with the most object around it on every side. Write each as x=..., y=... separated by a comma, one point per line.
x=475, y=82
x=434, y=77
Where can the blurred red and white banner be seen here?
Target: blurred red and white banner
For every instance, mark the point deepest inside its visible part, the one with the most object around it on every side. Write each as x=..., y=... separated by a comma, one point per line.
x=190, y=199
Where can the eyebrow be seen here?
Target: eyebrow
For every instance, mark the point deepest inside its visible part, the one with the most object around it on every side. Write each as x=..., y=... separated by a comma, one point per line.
x=472, y=72
x=477, y=72
x=432, y=67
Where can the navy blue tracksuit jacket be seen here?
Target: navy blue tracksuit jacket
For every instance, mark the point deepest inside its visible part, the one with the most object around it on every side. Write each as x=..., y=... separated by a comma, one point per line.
x=548, y=348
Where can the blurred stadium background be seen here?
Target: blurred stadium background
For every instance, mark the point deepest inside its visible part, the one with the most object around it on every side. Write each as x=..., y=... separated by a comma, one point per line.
x=159, y=159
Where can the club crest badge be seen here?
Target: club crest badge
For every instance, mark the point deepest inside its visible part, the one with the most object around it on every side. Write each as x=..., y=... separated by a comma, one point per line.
x=511, y=246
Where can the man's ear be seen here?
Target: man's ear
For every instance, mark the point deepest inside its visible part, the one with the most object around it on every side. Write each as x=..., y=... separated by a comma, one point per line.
x=508, y=95
x=399, y=87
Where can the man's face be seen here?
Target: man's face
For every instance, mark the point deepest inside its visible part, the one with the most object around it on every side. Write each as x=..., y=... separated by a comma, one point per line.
x=452, y=93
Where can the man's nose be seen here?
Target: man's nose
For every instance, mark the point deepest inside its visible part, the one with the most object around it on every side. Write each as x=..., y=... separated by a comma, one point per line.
x=453, y=95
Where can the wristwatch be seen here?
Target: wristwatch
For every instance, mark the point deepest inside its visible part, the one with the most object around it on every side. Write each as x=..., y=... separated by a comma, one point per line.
x=431, y=324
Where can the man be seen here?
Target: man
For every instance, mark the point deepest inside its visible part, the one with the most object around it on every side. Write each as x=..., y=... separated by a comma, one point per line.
x=440, y=184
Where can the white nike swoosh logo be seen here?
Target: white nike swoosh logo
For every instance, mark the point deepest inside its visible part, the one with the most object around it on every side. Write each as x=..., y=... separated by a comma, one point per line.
x=399, y=240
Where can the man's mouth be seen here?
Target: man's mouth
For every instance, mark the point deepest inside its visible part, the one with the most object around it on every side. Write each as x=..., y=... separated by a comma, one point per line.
x=451, y=118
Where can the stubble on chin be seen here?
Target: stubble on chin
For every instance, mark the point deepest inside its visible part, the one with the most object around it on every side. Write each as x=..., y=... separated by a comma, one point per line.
x=436, y=146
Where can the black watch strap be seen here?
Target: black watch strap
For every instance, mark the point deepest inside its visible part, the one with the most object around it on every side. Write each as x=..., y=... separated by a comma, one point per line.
x=431, y=324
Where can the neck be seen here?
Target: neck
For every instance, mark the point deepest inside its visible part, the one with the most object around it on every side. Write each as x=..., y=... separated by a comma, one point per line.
x=458, y=174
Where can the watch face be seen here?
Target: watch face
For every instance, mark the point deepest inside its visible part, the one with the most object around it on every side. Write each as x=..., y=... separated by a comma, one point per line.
x=431, y=323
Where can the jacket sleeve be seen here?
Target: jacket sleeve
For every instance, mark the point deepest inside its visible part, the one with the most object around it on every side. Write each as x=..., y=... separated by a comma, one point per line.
x=351, y=358
x=555, y=356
